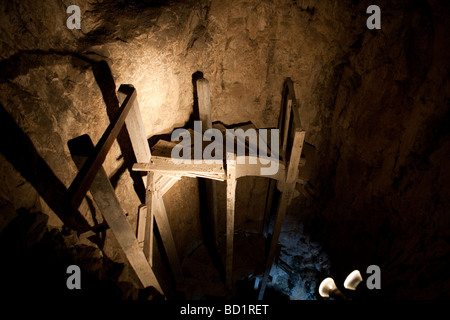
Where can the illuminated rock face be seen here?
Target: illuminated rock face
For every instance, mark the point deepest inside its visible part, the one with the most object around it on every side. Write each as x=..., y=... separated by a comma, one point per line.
x=374, y=103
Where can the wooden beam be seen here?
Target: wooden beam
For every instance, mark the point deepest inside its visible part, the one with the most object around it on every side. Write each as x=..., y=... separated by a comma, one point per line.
x=287, y=126
x=286, y=196
x=165, y=183
x=85, y=176
x=204, y=106
x=142, y=220
x=148, y=238
x=162, y=221
x=296, y=152
x=268, y=207
x=167, y=166
x=106, y=200
x=135, y=126
x=211, y=171
x=287, y=119
x=295, y=109
x=204, y=103
x=231, y=200
x=154, y=202
x=156, y=210
x=281, y=213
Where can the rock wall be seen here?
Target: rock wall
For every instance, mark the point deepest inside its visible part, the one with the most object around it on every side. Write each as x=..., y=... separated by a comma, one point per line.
x=388, y=145
x=374, y=103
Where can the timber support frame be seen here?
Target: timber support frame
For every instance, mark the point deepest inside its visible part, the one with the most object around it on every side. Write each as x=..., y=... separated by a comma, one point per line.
x=162, y=174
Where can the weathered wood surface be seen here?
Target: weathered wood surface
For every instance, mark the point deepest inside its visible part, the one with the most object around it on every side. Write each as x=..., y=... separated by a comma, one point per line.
x=85, y=176
x=103, y=194
x=231, y=201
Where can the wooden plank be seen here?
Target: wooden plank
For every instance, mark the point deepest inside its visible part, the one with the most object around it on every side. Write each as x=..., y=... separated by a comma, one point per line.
x=167, y=166
x=289, y=106
x=148, y=234
x=231, y=200
x=85, y=176
x=268, y=207
x=106, y=200
x=154, y=203
x=204, y=106
x=135, y=126
x=294, y=161
x=162, y=179
x=211, y=171
x=204, y=103
x=264, y=143
x=286, y=196
x=295, y=109
x=142, y=220
x=166, y=185
x=286, y=122
x=280, y=215
x=163, y=224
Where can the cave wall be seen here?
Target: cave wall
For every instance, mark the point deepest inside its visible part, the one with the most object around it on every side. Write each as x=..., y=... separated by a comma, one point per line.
x=388, y=145
x=374, y=103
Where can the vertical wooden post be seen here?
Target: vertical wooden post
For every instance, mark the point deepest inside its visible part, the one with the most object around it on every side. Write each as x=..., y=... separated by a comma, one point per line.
x=281, y=213
x=155, y=204
x=231, y=199
x=148, y=237
x=142, y=220
x=204, y=103
x=286, y=196
x=204, y=106
x=268, y=207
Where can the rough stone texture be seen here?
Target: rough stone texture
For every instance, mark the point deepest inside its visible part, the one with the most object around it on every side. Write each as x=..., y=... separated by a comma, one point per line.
x=389, y=141
x=374, y=103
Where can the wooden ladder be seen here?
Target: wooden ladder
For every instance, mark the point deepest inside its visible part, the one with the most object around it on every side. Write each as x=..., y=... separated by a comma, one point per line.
x=92, y=177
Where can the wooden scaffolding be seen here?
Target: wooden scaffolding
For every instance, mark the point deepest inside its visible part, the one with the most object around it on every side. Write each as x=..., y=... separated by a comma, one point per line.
x=162, y=174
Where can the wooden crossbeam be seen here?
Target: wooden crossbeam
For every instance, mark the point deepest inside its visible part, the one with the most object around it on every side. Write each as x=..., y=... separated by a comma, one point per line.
x=244, y=167
x=167, y=166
